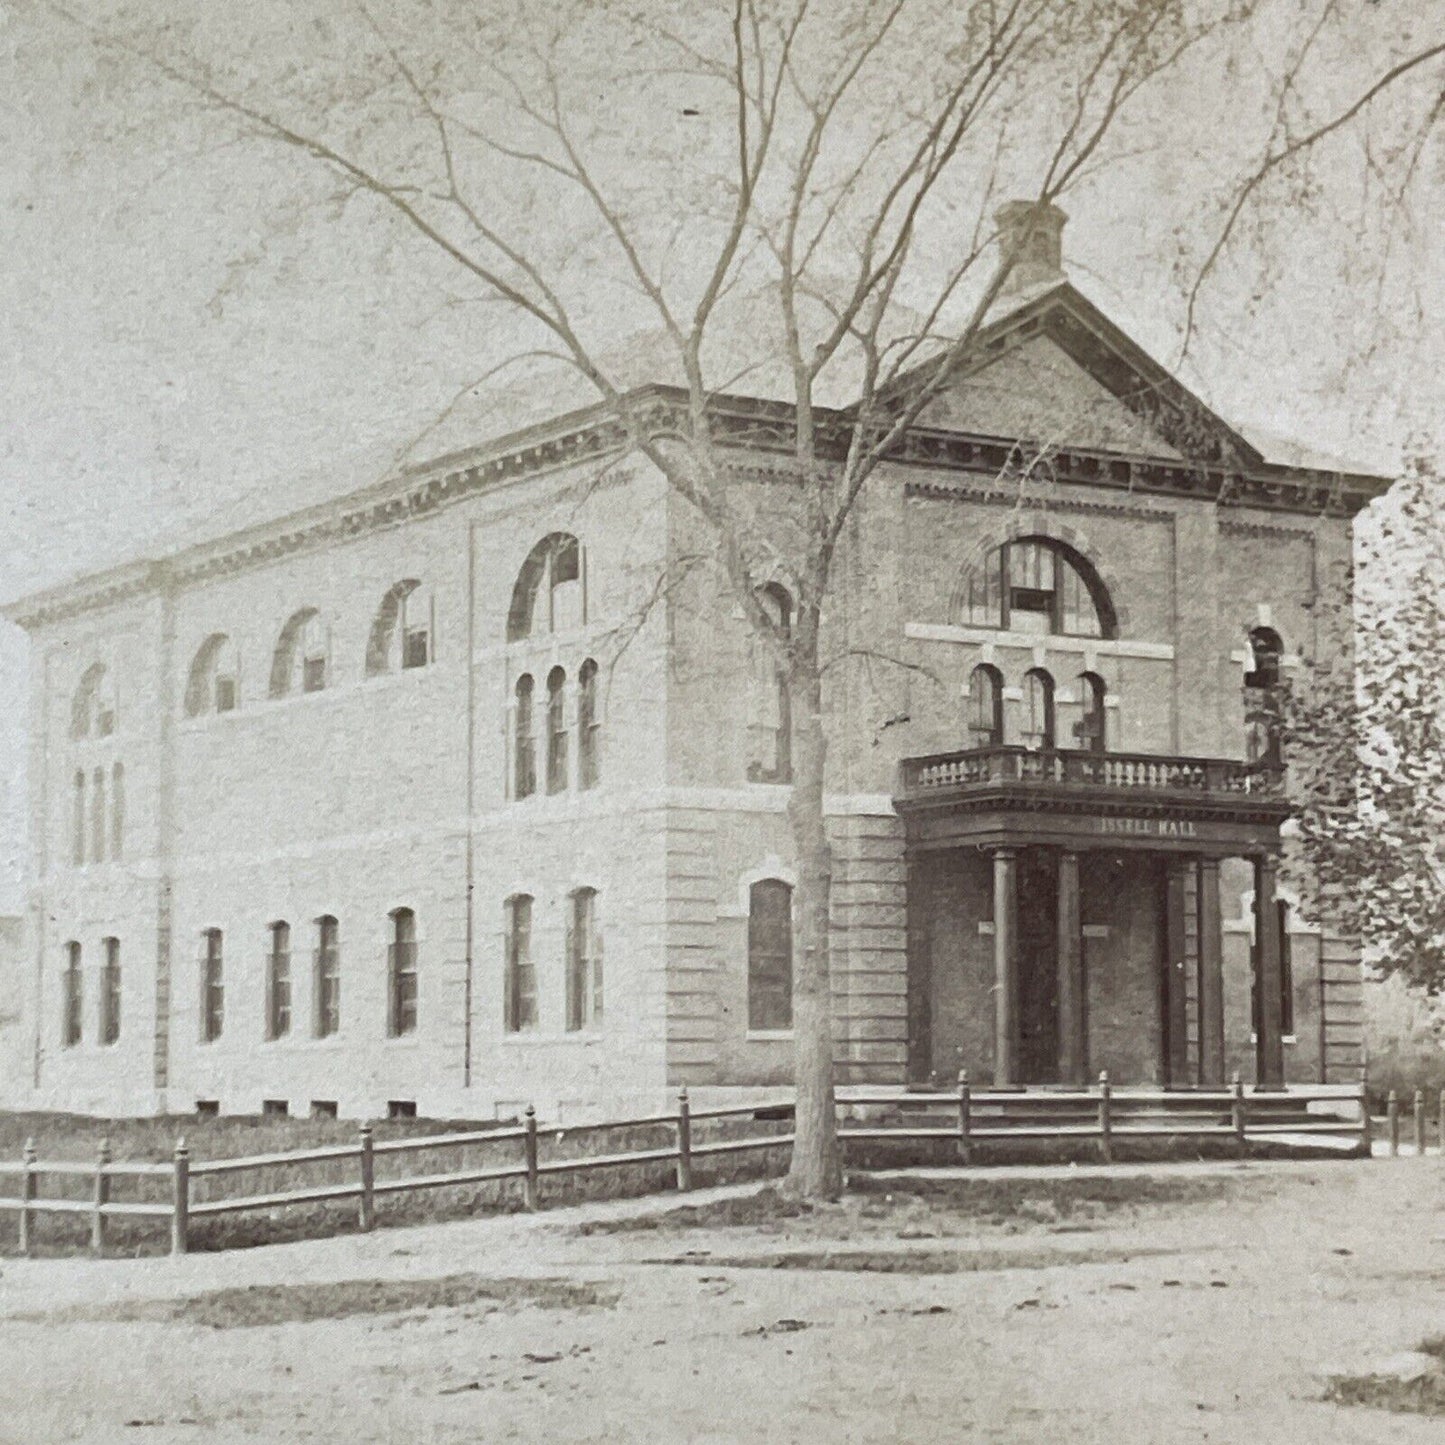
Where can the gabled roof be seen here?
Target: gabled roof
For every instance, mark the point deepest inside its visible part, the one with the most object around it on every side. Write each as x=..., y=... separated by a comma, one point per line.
x=1062, y=313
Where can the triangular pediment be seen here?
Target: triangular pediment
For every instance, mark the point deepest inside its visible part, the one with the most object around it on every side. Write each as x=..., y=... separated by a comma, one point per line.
x=1057, y=372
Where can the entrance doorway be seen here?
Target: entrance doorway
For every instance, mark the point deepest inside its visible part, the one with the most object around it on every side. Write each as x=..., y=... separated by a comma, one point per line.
x=1038, y=966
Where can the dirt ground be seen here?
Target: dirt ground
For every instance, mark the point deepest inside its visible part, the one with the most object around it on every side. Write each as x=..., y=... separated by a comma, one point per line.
x=1172, y=1303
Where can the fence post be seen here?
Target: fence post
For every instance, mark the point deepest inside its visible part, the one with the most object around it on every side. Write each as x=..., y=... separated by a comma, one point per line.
x=684, y=1140
x=965, y=1119
x=27, y=1193
x=1106, y=1120
x=366, y=1213
x=181, y=1200
x=1392, y=1113
x=1440, y=1125
x=1237, y=1108
x=1367, y=1123
x=529, y=1144
x=1419, y=1121
x=101, y=1198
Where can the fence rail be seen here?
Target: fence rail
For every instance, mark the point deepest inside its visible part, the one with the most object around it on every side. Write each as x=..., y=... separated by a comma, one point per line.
x=971, y=1119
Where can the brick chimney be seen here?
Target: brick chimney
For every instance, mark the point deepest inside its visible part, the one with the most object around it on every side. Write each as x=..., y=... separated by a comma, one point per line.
x=1033, y=234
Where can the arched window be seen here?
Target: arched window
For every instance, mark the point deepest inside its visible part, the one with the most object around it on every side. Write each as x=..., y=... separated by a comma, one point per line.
x=93, y=709
x=1037, y=728
x=401, y=974
x=770, y=955
x=278, y=981
x=326, y=986
x=77, y=818
x=550, y=592
x=1090, y=729
x=213, y=986
x=117, y=812
x=524, y=743
x=299, y=662
x=985, y=707
x=520, y=983
x=213, y=685
x=1037, y=584
x=1263, y=687
x=584, y=962
x=403, y=634
x=557, y=731
x=772, y=730
x=589, y=727
x=110, y=992
x=98, y=816
x=73, y=1000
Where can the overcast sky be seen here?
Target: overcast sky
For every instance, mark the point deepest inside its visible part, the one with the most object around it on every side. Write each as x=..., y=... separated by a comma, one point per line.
x=189, y=338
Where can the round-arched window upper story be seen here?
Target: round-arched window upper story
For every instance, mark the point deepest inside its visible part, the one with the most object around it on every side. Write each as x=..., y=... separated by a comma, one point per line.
x=403, y=632
x=550, y=592
x=214, y=683
x=299, y=662
x=93, y=709
x=1040, y=585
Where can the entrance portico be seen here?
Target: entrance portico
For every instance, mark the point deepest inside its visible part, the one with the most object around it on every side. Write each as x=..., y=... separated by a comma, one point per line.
x=1099, y=907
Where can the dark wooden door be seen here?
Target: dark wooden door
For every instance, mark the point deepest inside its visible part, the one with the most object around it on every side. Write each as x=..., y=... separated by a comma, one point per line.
x=1038, y=967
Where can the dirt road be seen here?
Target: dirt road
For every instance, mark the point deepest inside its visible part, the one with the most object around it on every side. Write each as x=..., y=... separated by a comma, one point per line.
x=1169, y=1306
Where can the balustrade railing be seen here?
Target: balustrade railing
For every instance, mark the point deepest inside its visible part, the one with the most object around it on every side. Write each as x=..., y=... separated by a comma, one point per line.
x=1059, y=767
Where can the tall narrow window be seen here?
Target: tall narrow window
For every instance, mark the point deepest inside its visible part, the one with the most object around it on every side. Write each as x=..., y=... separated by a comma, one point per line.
x=213, y=987
x=584, y=962
x=117, y=812
x=110, y=993
x=1286, y=969
x=985, y=707
x=520, y=1003
x=93, y=709
x=524, y=749
x=1038, y=713
x=77, y=818
x=1263, y=719
x=556, y=731
x=98, y=817
x=278, y=982
x=1091, y=725
x=589, y=727
x=772, y=760
x=770, y=955
x=73, y=1000
x=327, y=986
x=401, y=974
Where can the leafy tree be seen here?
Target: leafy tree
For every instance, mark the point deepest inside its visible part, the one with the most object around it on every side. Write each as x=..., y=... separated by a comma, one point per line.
x=1365, y=747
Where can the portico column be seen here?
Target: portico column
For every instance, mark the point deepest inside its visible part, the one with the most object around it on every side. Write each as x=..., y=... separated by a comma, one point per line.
x=1176, y=1008
x=1005, y=965
x=1072, y=1046
x=1269, y=1046
x=1211, y=977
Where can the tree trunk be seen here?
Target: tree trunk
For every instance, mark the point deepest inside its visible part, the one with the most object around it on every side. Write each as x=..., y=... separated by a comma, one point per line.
x=816, y=1169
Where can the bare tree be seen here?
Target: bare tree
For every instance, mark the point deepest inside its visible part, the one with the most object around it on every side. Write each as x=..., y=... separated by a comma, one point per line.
x=840, y=161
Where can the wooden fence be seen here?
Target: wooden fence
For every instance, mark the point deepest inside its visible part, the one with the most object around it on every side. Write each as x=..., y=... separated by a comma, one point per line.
x=964, y=1121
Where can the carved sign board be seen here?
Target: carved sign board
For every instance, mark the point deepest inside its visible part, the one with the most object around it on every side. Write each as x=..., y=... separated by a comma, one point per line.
x=1146, y=827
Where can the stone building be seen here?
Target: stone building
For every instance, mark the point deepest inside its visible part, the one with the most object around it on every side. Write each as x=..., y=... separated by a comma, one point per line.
x=433, y=798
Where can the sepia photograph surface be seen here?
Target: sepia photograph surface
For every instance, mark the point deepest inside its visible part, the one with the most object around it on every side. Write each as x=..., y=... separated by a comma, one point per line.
x=722, y=720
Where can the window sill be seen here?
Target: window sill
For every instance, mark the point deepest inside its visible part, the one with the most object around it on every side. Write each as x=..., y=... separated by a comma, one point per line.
x=768, y=1036
x=536, y=1036
x=1283, y=1038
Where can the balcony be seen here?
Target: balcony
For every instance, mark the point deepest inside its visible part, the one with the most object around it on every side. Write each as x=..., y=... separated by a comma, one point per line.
x=1042, y=794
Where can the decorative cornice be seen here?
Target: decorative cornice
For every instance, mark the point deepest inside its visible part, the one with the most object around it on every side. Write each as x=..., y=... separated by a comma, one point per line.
x=1231, y=528
x=741, y=423
x=999, y=497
